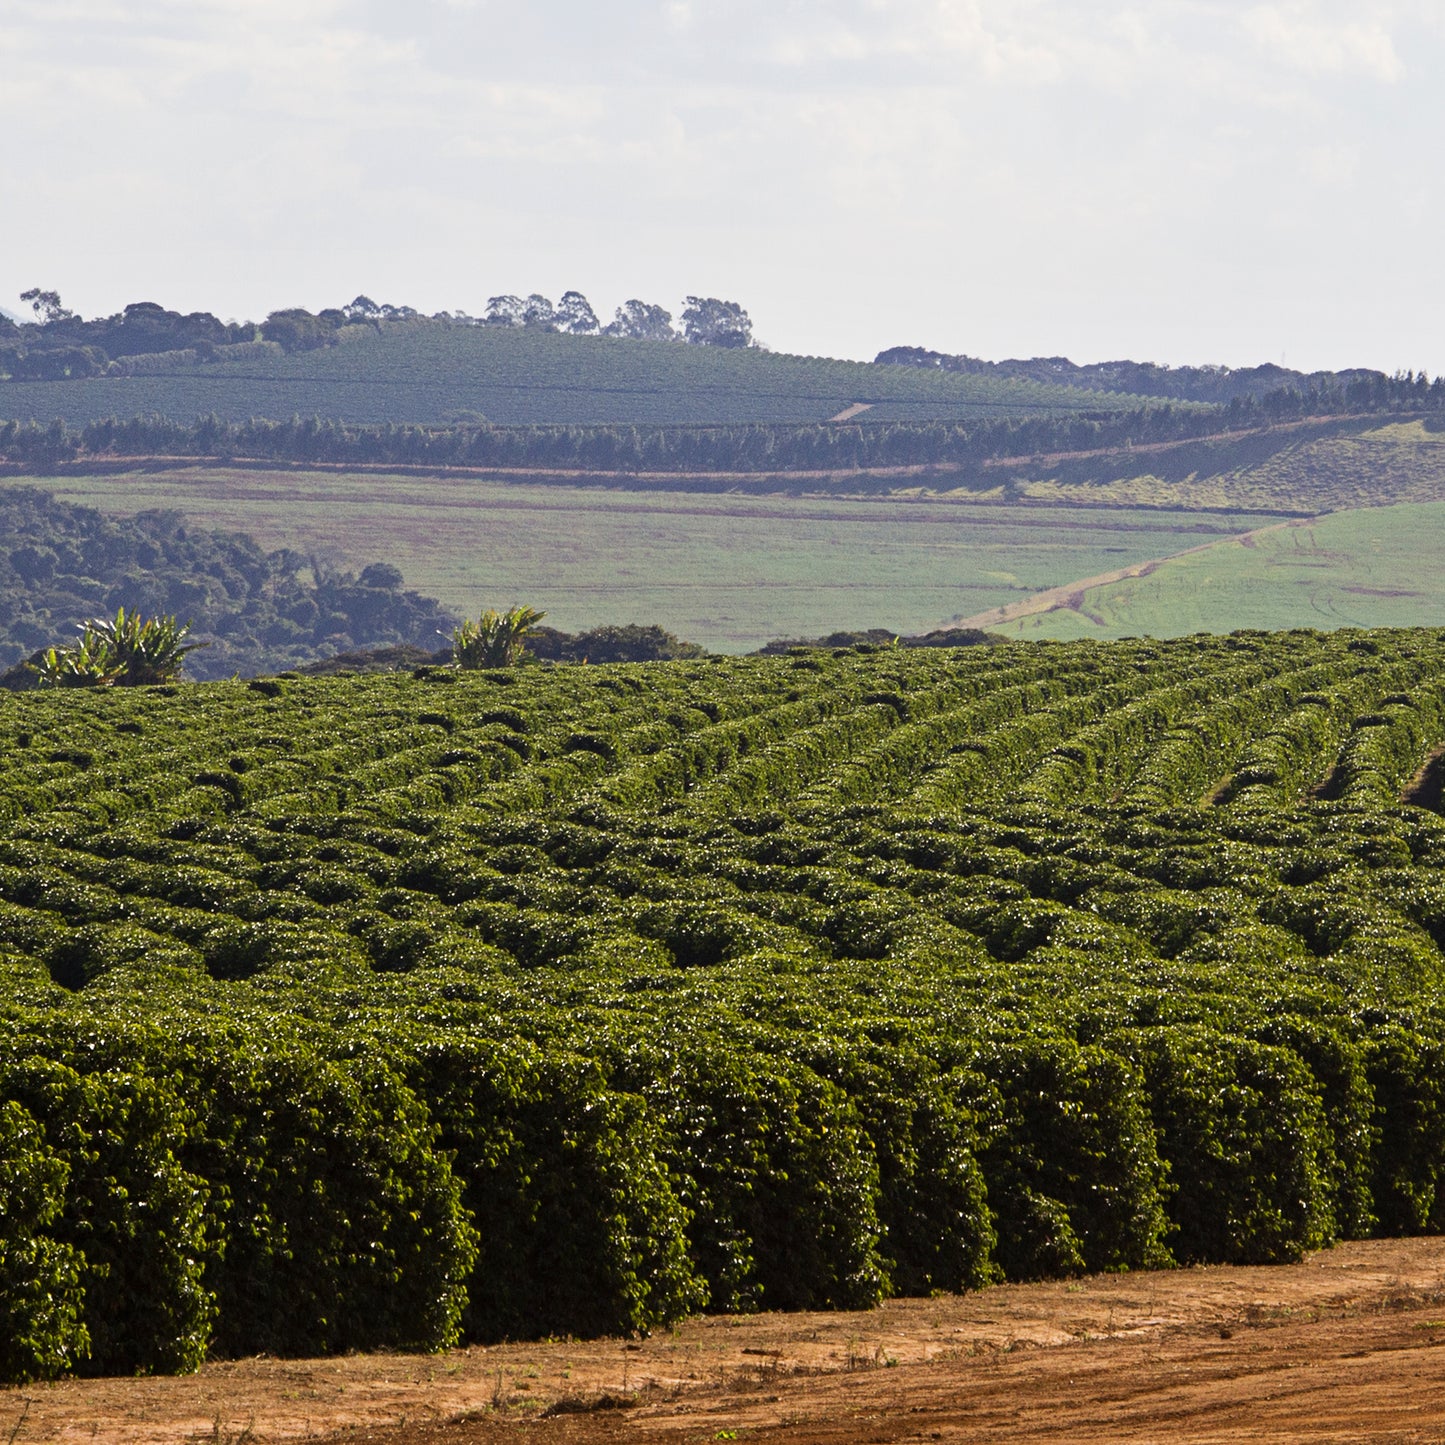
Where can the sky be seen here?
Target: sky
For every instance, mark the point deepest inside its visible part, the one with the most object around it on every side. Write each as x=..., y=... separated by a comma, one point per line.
x=1182, y=181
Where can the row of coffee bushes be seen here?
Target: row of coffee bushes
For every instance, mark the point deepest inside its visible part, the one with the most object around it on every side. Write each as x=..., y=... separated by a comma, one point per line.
x=392, y=1011
x=228, y=1189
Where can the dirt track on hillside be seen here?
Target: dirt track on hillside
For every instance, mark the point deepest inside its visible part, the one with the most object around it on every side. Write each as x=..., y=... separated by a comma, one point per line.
x=1071, y=594
x=1346, y=1346
x=103, y=463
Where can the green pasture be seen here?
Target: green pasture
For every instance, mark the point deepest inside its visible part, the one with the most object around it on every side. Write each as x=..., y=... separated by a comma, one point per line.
x=727, y=571
x=434, y=374
x=1371, y=567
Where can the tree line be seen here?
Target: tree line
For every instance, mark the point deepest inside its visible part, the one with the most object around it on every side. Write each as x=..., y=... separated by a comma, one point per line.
x=61, y=346
x=705, y=320
x=763, y=448
x=1213, y=385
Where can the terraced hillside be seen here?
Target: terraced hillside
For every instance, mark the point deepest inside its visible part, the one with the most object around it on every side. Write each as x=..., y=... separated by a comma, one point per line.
x=375, y=1012
x=430, y=374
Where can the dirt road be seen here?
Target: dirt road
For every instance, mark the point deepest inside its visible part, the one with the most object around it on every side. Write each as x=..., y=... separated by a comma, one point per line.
x=1345, y=1346
x=1071, y=594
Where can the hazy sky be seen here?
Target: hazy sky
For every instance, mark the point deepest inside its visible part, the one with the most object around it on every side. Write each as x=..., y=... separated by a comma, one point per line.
x=1176, y=180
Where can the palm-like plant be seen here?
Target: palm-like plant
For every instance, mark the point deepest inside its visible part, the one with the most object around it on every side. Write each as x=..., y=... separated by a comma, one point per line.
x=147, y=649
x=88, y=663
x=131, y=651
x=496, y=639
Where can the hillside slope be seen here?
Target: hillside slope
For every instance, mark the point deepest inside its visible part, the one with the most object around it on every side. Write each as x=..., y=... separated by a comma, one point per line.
x=728, y=571
x=1304, y=467
x=731, y=560
x=431, y=373
x=1373, y=566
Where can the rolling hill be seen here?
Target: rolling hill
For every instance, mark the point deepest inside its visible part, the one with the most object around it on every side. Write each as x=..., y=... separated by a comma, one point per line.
x=429, y=373
x=732, y=564
x=725, y=570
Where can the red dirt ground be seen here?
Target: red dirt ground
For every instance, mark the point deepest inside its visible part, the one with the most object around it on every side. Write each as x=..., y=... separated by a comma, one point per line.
x=1345, y=1346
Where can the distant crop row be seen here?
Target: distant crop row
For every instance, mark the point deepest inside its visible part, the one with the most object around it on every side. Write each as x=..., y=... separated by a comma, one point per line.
x=428, y=375
x=369, y=1012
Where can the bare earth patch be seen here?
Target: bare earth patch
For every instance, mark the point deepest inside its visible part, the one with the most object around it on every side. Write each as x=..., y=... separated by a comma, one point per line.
x=1342, y=1347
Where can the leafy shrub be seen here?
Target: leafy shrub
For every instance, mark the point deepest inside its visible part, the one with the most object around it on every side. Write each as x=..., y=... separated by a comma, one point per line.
x=128, y=651
x=1407, y=1072
x=343, y=1223
x=497, y=639
x=131, y=1213
x=1242, y=1129
x=1073, y=1174
x=42, y=1331
x=937, y=1230
x=778, y=1174
x=579, y=1226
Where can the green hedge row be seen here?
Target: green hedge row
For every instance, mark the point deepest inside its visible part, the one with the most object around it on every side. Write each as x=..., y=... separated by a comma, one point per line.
x=387, y=1012
x=226, y=1190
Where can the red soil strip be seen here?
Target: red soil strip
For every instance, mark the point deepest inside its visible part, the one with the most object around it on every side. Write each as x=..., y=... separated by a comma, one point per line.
x=1343, y=1346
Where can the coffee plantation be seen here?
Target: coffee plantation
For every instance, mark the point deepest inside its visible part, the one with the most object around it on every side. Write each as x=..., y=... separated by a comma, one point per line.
x=391, y=1011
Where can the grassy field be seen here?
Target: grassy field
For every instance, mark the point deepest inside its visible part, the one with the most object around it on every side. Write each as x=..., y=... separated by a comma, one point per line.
x=733, y=571
x=433, y=374
x=730, y=572
x=1372, y=567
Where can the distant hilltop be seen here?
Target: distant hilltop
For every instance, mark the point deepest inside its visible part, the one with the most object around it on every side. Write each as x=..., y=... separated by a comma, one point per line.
x=59, y=345
x=1213, y=384
x=146, y=339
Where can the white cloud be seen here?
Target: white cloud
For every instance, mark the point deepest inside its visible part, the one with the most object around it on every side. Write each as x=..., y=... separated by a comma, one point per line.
x=1046, y=163
x=1303, y=35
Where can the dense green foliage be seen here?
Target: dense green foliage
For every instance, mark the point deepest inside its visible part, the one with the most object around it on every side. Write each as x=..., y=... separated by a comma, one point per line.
x=356, y=1012
x=1086, y=447
x=496, y=639
x=743, y=448
x=129, y=650
x=61, y=346
x=881, y=637
x=1356, y=388
x=429, y=373
x=629, y=642
x=611, y=642
x=256, y=611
